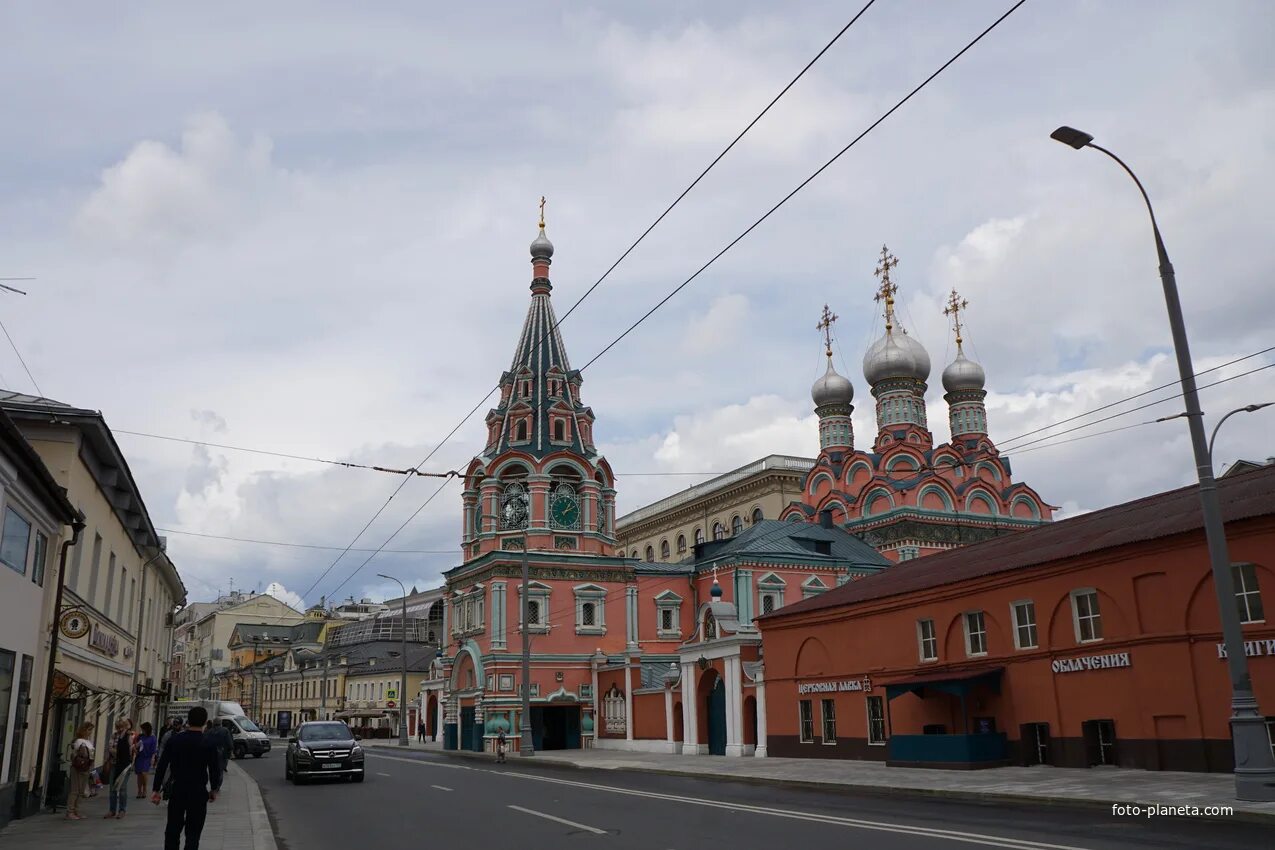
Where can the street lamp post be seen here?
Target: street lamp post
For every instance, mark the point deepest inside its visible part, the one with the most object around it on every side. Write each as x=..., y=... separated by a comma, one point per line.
x=1254, y=763
x=1248, y=408
x=402, y=688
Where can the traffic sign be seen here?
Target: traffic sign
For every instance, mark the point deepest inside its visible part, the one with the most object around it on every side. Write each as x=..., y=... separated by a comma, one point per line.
x=389, y=703
x=391, y=693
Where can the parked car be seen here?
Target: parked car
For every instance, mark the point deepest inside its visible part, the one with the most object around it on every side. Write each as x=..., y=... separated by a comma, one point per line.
x=323, y=748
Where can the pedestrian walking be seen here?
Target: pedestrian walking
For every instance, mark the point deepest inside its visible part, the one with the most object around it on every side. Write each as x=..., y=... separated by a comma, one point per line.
x=420, y=731
x=219, y=736
x=501, y=743
x=144, y=758
x=196, y=770
x=80, y=758
x=119, y=764
x=174, y=725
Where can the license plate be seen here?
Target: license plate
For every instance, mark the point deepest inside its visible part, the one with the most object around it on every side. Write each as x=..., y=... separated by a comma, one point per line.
x=334, y=765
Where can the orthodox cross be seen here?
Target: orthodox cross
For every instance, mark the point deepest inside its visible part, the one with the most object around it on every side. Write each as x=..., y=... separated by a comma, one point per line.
x=955, y=304
x=887, y=290
x=542, y=212
x=825, y=325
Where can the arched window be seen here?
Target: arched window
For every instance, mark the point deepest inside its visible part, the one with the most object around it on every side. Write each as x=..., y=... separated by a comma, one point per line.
x=757, y=515
x=588, y=616
x=650, y=554
x=559, y=430
x=710, y=626
x=681, y=544
x=736, y=525
x=633, y=554
x=514, y=506
x=699, y=536
x=664, y=550
x=719, y=531
x=520, y=430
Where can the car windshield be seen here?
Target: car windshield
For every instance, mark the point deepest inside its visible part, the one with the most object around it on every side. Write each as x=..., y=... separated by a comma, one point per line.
x=325, y=732
x=247, y=725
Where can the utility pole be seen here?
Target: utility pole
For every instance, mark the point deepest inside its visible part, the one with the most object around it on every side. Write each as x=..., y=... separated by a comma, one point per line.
x=526, y=744
x=402, y=688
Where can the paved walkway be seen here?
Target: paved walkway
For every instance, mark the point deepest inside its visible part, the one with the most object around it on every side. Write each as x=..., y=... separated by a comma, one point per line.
x=237, y=820
x=1092, y=786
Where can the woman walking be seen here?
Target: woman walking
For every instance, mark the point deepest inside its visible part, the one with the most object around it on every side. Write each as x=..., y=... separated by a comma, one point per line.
x=121, y=763
x=144, y=761
x=81, y=759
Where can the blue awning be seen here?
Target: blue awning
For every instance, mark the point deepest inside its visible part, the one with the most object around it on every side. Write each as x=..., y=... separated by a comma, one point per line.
x=959, y=684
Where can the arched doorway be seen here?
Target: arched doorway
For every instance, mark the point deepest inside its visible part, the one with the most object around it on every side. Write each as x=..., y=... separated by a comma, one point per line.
x=431, y=718
x=750, y=721
x=712, y=695
x=679, y=732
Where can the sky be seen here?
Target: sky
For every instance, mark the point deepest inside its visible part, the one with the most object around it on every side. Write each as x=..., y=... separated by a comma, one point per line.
x=303, y=228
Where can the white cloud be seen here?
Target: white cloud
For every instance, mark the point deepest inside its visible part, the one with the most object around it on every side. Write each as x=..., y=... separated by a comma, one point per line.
x=285, y=596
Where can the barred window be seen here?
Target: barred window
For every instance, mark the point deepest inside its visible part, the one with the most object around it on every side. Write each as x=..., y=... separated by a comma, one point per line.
x=806, y=714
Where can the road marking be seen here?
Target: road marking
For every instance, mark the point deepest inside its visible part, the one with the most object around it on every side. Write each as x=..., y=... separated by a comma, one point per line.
x=592, y=829
x=440, y=787
x=378, y=773
x=853, y=823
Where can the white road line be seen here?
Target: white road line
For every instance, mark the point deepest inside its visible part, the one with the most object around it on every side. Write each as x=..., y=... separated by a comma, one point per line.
x=440, y=787
x=426, y=762
x=381, y=774
x=592, y=829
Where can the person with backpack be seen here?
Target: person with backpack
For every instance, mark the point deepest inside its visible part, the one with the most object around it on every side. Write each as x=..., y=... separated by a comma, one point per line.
x=81, y=765
x=196, y=781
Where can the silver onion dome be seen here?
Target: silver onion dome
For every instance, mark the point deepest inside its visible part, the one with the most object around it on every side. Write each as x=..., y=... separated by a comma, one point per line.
x=832, y=388
x=541, y=247
x=896, y=355
x=963, y=374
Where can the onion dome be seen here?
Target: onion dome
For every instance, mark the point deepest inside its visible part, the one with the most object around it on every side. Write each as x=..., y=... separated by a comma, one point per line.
x=541, y=247
x=896, y=355
x=716, y=592
x=832, y=388
x=963, y=374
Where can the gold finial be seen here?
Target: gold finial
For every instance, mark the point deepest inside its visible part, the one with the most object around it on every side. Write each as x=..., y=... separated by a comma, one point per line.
x=887, y=290
x=542, y=212
x=825, y=325
x=955, y=304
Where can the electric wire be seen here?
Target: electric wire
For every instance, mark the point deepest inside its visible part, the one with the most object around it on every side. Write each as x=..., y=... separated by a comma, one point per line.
x=25, y=368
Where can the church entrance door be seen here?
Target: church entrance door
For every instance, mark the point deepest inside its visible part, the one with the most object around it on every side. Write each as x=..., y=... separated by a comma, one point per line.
x=556, y=727
x=717, y=719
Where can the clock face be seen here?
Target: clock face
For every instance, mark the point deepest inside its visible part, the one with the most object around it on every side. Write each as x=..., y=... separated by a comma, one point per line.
x=566, y=512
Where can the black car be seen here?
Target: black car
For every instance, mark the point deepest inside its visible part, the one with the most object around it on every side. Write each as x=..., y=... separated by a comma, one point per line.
x=323, y=748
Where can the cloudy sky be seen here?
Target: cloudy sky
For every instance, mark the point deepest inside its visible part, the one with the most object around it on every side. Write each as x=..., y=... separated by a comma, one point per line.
x=303, y=228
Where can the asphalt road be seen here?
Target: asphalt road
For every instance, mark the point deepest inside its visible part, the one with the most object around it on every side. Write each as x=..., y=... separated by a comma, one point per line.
x=418, y=800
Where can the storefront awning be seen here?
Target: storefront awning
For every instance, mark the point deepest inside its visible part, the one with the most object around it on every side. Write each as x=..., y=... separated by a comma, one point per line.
x=958, y=683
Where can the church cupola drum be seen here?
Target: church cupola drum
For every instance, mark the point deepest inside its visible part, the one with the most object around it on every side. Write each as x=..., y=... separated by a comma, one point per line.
x=539, y=482
x=896, y=367
x=832, y=394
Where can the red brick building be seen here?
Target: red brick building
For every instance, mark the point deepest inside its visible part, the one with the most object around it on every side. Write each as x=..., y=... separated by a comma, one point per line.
x=1092, y=640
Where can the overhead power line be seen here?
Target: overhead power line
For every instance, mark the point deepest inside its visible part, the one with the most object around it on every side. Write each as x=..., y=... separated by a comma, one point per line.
x=183, y=531
x=14, y=346
x=554, y=329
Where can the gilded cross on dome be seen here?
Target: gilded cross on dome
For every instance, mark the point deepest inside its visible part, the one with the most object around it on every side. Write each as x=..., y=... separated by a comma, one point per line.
x=542, y=212
x=955, y=304
x=825, y=325
x=888, y=288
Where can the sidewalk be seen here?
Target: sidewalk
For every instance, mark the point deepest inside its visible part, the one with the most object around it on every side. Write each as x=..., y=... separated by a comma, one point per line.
x=237, y=820
x=1096, y=787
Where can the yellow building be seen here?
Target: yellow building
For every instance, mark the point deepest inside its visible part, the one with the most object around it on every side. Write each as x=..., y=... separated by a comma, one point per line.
x=667, y=530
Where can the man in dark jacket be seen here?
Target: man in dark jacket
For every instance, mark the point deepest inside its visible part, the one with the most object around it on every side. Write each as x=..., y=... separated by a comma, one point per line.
x=196, y=769
x=219, y=736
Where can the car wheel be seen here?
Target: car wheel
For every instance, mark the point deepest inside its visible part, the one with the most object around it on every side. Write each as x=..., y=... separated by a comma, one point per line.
x=239, y=751
x=257, y=755
x=358, y=777
x=287, y=771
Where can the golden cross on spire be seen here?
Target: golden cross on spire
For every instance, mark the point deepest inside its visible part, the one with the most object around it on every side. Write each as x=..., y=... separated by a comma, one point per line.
x=542, y=212
x=887, y=290
x=955, y=304
x=825, y=325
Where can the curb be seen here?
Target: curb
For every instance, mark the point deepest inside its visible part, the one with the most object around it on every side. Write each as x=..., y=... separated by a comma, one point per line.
x=874, y=790
x=258, y=818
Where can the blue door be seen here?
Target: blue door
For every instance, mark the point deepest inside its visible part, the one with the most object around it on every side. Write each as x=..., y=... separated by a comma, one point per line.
x=467, y=728
x=717, y=719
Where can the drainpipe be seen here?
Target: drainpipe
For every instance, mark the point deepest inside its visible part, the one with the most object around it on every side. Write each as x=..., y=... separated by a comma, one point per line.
x=77, y=526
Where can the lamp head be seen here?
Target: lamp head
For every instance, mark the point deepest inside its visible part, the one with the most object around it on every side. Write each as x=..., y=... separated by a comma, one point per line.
x=1071, y=136
x=1255, y=407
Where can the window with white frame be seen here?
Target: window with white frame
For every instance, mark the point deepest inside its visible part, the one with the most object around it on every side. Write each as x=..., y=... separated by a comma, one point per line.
x=668, y=607
x=590, y=609
x=1248, y=596
x=14, y=542
x=537, y=607
x=681, y=544
x=812, y=586
x=1025, y=624
x=828, y=710
x=719, y=531
x=806, y=721
x=927, y=641
x=1086, y=615
x=770, y=592
x=613, y=711
x=876, y=721
x=975, y=633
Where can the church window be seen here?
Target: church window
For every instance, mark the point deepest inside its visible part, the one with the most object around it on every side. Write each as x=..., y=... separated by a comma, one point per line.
x=757, y=515
x=669, y=605
x=526, y=388
x=664, y=550
x=587, y=614
x=520, y=431
x=975, y=633
x=633, y=554
x=719, y=531
x=769, y=601
x=908, y=553
x=613, y=711
x=559, y=430
x=1247, y=594
x=699, y=536
x=736, y=525
x=514, y=506
x=533, y=612
x=710, y=626
x=650, y=556
x=681, y=544
x=590, y=601
x=666, y=620
x=1087, y=616
x=927, y=641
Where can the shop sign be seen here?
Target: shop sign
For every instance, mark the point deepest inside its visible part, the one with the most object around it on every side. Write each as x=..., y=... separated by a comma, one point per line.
x=74, y=625
x=1251, y=648
x=1091, y=662
x=864, y=684
x=104, y=642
